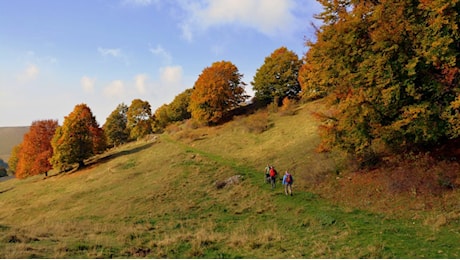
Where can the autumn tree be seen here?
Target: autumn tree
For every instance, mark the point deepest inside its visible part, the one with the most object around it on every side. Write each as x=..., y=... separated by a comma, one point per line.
x=35, y=150
x=391, y=70
x=313, y=83
x=14, y=158
x=277, y=78
x=139, y=119
x=79, y=138
x=115, y=127
x=218, y=90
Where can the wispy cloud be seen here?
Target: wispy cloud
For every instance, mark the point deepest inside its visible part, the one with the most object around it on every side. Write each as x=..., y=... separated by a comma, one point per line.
x=140, y=2
x=187, y=32
x=109, y=52
x=87, y=84
x=115, y=89
x=267, y=17
x=171, y=75
x=162, y=53
x=116, y=53
x=32, y=57
x=29, y=73
x=140, y=82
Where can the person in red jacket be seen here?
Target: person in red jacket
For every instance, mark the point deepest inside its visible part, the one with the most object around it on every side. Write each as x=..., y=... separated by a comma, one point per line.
x=273, y=174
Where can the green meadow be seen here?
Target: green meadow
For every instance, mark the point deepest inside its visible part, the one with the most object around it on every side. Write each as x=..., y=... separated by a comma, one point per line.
x=158, y=198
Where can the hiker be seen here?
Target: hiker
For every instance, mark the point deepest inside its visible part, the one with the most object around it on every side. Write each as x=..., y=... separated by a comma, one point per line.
x=267, y=173
x=287, y=182
x=273, y=174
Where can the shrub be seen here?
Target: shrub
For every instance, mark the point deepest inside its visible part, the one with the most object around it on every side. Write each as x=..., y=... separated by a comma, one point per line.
x=3, y=172
x=257, y=123
x=287, y=108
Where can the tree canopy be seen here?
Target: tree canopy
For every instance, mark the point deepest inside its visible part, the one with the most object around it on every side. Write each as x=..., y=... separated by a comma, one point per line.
x=277, y=78
x=176, y=111
x=14, y=158
x=178, y=108
x=391, y=70
x=115, y=126
x=139, y=119
x=79, y=138
x=35, y=151
x=218, y=89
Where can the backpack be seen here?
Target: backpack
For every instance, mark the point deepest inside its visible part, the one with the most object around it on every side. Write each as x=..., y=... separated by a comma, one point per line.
x=288, y=178
x=272, y=172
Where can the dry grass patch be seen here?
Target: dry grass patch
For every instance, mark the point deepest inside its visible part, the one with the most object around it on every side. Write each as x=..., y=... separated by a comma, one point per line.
x=250, y=236
x=256, y=123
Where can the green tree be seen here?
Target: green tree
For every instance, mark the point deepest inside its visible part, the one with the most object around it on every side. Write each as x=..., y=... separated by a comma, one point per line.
x=218, y=90
x=178, y=109
x=162, y=118
x=3, y=167
x=391, y=70
x=115, y=127
x=3, y=172
x=139, y=119
x=277, y=78
x=79, y=138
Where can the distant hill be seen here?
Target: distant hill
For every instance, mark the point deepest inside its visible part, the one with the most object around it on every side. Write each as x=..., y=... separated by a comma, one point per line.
x=10, y=137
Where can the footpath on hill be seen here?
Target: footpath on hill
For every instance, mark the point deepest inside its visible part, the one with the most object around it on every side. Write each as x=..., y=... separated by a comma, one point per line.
x=316, y=228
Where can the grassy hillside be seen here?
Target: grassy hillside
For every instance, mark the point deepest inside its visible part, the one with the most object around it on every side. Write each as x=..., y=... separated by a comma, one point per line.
x=158, y=199
x=10, y=137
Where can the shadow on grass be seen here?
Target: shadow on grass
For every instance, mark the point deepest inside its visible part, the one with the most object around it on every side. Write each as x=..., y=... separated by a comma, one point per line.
x=3, y=191
x=102, y=158
x=108, y=157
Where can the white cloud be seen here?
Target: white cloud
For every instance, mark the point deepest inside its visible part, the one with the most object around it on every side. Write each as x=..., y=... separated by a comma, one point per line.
x=140, y=81
x=159, y=51
x=87, y=84
x=268, y=17
x=187, y=33
x=115, y=89
x=217, y=49
x=30, y=73
x=171, y=75
x=109, y=52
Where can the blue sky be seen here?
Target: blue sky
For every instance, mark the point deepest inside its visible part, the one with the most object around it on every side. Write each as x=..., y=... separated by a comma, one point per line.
x=55, y=54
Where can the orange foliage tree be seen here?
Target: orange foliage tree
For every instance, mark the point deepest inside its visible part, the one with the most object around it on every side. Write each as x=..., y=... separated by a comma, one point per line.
x=217, y=90
x=391, y=69
x=35, y=150
x=79, y=138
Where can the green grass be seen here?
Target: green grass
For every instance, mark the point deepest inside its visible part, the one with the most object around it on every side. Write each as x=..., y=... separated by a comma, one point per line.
x=159, y=200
